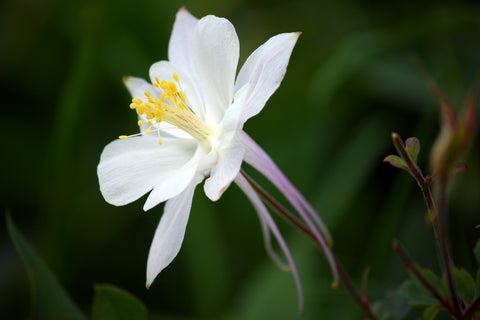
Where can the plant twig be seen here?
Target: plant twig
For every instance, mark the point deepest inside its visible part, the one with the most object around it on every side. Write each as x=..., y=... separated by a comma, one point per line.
x=438, y=218
x=362, y=300
x=413, y=267
x=444, y=245
x=472, y=308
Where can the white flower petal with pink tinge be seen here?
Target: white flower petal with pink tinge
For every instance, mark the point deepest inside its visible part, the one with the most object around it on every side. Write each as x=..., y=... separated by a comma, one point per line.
x=170, y=232
x=264, y=70
x=215, y=53
x=131, y=167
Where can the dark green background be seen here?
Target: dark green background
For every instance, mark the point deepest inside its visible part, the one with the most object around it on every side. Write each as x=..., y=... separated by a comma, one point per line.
x=352, y=80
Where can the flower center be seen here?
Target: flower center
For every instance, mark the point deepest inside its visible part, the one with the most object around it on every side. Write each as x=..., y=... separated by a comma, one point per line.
x=170, y=106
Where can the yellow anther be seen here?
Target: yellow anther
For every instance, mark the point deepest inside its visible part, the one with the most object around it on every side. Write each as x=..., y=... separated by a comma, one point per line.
x=122, y=137
x=172, y=86
x=160, y=141
x=168, y=104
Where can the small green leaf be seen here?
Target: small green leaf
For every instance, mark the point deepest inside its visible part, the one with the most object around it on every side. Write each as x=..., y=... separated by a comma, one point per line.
x=396, y=161
x=112, y=303
x=478, y=280
x=412, y=145
x=416, y=292
x=49, y=299
x=393, y=306
x=430, y=312
x=417, y=295
x=465, y=285
x=476, y=251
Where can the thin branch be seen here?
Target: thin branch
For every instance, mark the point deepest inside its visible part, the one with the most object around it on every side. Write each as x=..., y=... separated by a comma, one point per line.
x=278, y=207
x=361, y=300
x=472, y=308
x=413, y=267
x=438, y=218
x=444, y=247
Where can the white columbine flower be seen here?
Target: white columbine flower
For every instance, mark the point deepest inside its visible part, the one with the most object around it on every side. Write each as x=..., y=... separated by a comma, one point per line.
x=191, y=117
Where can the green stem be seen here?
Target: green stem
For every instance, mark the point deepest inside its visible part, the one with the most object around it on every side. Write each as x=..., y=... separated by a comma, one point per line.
x=362, y=300
x=444, y=247
x=472, y=308
x=411, y=265
x=438, y=216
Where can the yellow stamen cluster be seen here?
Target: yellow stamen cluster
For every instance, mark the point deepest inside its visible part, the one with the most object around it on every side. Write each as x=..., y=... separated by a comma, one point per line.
x=170, y=106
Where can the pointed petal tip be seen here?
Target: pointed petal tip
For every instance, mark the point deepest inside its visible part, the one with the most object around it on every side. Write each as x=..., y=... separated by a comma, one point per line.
x=183, y=9
x=147, y=285
x=126, y=79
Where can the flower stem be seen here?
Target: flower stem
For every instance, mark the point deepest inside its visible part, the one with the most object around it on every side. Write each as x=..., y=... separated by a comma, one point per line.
x=444, y=247
x=437, y=213
x=362, y=300
x=468, y=313
x=413, y=267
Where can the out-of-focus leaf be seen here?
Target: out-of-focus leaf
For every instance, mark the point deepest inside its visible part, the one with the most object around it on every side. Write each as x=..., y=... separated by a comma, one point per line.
x=396, y=161
x=431, y=277
x=393, y=306
x=465, y=285
x=412, y=145
x=476, y=251
x=416, y=292
x=112, y=303
x=49, y=299
x=417, y=296
x=430, y=313
x=478, y=280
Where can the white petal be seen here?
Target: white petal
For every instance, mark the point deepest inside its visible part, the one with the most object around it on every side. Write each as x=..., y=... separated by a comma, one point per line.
x=180, y=45
x=264, y=70
x=225, y=171
x=170, y=232
x=137, y=88
x=215, y=57
x=131, y=167
x=266, y=218
x=259, y=159
x=163, y=70
x=135, y=85
x=177, y=181
x=231, y=123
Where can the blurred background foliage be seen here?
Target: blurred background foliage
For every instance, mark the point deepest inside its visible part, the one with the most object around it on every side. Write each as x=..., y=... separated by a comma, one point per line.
x=352, y=79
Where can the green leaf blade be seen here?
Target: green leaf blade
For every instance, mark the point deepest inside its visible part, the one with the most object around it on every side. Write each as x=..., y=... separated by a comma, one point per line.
x=412, y=146
x=49, y=299
x=465, y=285
x=396, y=161
x=112, y=303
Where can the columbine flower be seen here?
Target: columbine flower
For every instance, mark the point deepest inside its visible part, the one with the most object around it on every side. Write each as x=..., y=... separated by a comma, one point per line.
x=191, y=117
